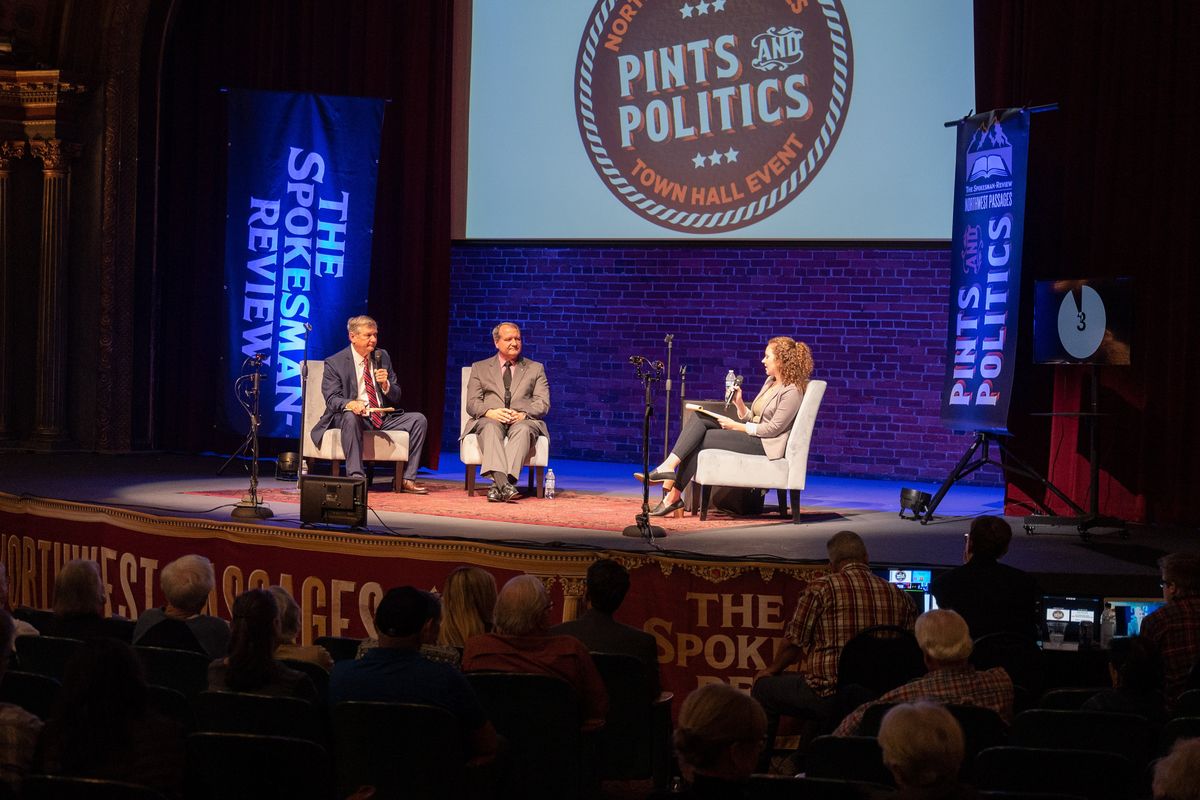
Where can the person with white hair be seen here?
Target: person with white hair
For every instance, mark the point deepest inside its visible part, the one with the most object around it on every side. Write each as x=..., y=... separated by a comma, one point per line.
x=356, y=380
x=720, y=734
x=923, y=748
x=946, y=645
x=1177, y=774
x=186, y=584
x=521, y=643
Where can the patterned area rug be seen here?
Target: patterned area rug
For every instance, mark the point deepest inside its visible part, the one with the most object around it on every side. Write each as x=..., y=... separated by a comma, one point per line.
x=567, y=510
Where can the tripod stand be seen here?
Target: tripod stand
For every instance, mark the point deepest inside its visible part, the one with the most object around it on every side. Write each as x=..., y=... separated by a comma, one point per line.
x=250, y=507
x=965, y=466
x=647, y=372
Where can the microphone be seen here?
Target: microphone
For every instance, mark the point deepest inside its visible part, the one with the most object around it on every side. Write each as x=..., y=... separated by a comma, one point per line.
x=376, y=359
x=737, y=381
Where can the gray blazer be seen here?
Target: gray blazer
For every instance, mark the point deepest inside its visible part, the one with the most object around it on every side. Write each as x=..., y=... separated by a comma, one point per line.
x=530, y=391
x=776, y=421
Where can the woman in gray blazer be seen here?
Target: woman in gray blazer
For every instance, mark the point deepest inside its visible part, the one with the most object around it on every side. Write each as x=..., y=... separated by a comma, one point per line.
x=760, y=429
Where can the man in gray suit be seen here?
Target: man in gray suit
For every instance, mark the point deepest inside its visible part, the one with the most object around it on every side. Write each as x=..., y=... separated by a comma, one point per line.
x=507, y=397
x=357, y=379
x=607, y=585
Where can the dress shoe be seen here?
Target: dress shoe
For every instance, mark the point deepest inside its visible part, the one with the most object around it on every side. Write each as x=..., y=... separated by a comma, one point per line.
x=663, y=508
x=658, y=476
x=494, y=494
x=412, y=487
x=508, y=493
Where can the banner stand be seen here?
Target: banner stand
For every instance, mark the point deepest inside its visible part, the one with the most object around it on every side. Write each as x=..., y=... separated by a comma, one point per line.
x=987, y=237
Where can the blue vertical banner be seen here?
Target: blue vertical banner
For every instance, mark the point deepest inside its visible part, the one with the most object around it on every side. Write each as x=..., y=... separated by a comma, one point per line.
x=300, y=210
x=985, y=261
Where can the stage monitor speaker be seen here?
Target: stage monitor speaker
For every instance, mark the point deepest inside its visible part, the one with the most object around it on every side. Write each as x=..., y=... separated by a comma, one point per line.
x=334, y=501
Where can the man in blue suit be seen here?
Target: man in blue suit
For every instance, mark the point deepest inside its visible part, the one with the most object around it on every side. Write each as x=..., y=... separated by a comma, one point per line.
x=360, y=378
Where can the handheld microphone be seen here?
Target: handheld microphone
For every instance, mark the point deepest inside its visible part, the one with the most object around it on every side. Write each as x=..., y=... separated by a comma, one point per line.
x=376, y=359
x=737, y=381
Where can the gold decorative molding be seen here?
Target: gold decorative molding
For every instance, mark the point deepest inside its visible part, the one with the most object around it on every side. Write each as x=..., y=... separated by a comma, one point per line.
x=55, y=154
x=11, y=149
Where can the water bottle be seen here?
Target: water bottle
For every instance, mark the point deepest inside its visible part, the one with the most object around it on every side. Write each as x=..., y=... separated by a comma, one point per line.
x=730, y=380
x=549, y=484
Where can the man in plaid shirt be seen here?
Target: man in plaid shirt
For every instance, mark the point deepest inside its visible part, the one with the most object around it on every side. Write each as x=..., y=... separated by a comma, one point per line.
x=946, y=644
x=832, y=610
x=1175, y=628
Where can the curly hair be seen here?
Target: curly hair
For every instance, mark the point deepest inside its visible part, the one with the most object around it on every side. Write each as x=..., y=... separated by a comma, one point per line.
x=794, y=359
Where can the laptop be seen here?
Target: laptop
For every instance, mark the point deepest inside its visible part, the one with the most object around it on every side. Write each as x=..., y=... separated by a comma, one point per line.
x=1130, y=611
x=1062, y=617
x=914, y=582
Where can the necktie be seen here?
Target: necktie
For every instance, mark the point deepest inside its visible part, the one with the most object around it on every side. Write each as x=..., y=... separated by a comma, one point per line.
x=372, y=398
x=507, y=384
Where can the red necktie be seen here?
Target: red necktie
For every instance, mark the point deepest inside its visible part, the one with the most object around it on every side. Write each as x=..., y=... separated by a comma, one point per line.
x=372, y=398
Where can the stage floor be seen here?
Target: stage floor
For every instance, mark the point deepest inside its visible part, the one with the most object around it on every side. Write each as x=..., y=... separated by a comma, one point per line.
x=169, y=485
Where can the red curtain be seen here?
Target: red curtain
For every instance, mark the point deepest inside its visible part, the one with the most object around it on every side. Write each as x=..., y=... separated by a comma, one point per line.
x=378, y=48
x=1112, y=191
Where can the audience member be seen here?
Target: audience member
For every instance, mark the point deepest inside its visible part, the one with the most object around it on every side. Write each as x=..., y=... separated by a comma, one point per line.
x=607, y=585
x=289, y=632
x=1175, y=628
x=923, y=748
x=522, y=643
x=79, y=605
x=251, y=665
x=1177, y=774
x=396, y=672
x=946, y=644
x=19, y=729
x=719, y=737
x=992, y=597
x=468, y=601
x=20, y=626
x=832, y=609
x=102, y=727
x=186, y=584
x=1136, y=672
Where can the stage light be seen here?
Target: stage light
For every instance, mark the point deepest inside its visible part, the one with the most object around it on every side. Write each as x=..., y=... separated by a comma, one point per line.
x=287, y=466
x=914, y=500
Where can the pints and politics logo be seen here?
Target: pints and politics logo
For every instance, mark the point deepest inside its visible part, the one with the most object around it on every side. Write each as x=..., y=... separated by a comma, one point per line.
x=706, y=116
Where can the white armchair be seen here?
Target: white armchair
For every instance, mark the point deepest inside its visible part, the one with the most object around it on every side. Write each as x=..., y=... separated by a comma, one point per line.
x=472, y=456
x=377, y=445
x=725, y=468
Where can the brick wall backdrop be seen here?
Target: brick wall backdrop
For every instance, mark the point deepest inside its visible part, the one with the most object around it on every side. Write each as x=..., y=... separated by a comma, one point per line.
x=875, y=319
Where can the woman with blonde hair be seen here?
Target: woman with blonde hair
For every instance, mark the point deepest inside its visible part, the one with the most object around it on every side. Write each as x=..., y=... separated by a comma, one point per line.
x=761, y=428
x=468, y=600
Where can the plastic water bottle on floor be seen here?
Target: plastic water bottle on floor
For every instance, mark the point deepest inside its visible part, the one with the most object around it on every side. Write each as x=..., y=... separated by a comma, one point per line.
x=549, y=484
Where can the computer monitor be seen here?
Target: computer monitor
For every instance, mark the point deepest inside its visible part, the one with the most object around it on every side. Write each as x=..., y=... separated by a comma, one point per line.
x=1071, y=610
x=914, y=582
x=1130, y=611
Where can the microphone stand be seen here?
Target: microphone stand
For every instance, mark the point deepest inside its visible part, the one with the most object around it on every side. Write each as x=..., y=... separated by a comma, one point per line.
x=667, y=385
x=647, y=372
x=250, y=507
